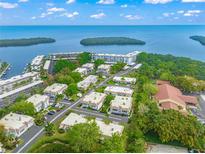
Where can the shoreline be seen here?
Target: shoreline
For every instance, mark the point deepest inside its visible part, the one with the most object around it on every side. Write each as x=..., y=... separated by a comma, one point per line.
x=4, y=71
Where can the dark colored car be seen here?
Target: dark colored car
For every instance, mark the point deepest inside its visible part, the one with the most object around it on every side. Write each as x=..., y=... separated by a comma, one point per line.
x=51, y=112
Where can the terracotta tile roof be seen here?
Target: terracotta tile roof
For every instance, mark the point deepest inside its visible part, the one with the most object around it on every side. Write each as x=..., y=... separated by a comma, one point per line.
x=172, y=95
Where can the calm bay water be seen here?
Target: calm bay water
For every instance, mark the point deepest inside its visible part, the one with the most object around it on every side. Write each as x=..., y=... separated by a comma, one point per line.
x=159, y=39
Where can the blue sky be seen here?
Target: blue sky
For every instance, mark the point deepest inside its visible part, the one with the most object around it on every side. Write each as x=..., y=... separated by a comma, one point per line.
x=101, y=12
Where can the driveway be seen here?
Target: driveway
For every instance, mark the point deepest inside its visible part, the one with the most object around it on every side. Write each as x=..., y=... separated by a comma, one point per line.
x=161, y=148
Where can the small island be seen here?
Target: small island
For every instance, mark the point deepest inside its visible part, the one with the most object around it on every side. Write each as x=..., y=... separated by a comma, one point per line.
x=200, y=39
x=25, y=41
x=111, y=41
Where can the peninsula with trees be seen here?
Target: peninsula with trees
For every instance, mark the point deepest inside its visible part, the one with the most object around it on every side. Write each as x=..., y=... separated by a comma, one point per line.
x=111, y=41
x=25, y=41
x=200, y=39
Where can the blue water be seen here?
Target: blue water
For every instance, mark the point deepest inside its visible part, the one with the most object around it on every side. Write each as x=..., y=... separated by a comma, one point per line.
x=159, y=39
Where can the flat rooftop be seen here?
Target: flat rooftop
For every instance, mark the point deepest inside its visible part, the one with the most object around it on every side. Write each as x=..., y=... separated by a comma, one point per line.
x=15, y=121
x=88, y=65
x=94, y=98
x=56, y=87
x=37, y=99
x=73, y=119
x=109, y=129
x=37, y=60
x=134, y=53
x=12, y=92
x=104, y=66
x=119, y=89
x=122, y=102
x=46, y=65
x=125, y=79
x=18, y=77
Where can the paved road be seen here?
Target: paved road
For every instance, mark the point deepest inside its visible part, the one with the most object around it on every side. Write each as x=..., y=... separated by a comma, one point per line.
x=117, y=118
x=31, y=136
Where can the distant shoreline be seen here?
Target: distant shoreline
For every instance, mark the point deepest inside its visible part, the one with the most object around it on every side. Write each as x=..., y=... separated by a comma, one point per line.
x=25, y=41
x=111, y=41
x=200, y=39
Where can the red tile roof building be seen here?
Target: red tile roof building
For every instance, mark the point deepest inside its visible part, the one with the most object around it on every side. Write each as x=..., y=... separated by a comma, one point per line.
x=169, y=97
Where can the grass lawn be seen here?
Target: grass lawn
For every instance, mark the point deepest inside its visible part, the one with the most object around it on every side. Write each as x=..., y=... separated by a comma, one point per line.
x=154, y=138
x=57, y=140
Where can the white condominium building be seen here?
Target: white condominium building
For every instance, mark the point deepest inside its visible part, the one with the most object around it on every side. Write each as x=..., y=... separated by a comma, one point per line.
x=47, y=65
x=16, y=124
x=129, y=58
x=104, y=69
x=105, y=129
x=121, y=105
x=84, y=85
x=94, y=100
x=118, y=90
x=40, y=102
x=89, y=66
x=109, y=129
x=125, y=80
x=65, y=56
x=9, y=97
x=17, y=81
x=55, y=89
x=37, y=63
x=71, y=120
x=82, y=71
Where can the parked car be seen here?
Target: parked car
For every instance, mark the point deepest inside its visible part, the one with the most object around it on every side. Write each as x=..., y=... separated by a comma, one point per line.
x=193, y=150
x=51, y=112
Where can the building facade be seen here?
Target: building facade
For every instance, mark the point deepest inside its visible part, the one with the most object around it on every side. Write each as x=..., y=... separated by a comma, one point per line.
x=16, y=124
x=121, y=105
x=129, y=59
x=87, y=82
x=94, y=100
x=118, y=90
x=40, y=102
x=8, y=98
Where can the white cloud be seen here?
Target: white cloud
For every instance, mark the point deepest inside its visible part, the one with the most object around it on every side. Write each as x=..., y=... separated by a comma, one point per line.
x=6, y=5
x=180, y=11
x=55, y=9
x=132, y=17
x=33, y=18
x=167, y=14
x=192, y=1
x=23, y=1
x=70, y=1
x=192, y=13
x=158, y=1
x=98, y=16
x=124, y=6
x=49, y=4
x=106, y=2
x=70, y=15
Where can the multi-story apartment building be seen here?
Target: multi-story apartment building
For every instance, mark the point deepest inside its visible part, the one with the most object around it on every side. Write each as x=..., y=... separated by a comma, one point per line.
x=40, y=102
x=84, y=85
x=121, y=105
x=8, y=98
x=104, y=69
x=37, y=63
x=118, y=90
x=16, y=124
x=55, y=89
x=129, y=58
x=18, y=81
x=94, y=100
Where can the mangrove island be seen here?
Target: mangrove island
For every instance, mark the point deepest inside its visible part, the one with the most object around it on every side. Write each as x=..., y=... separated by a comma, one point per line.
x=25, y=41
x=200, y=39
x=111, y=41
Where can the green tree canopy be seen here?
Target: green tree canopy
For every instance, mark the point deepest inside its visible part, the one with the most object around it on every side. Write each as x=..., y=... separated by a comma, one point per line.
x=76, y=76
x=23, y=107
x=62, y=64
x=84, y=137
x=72, y=89
x=84, y=58
x=114, y=144
x=98, y=62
